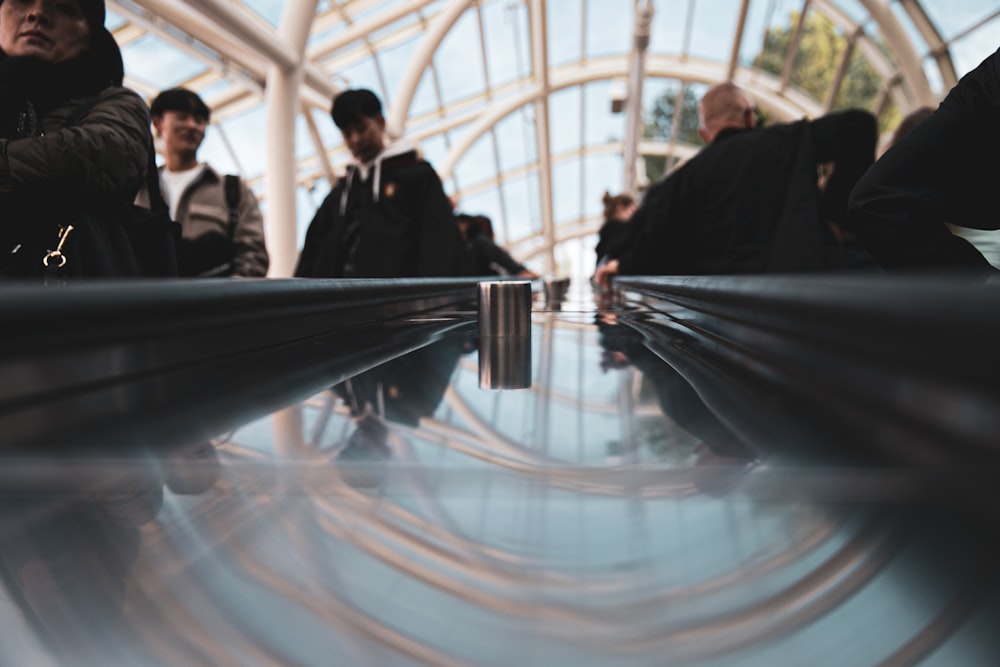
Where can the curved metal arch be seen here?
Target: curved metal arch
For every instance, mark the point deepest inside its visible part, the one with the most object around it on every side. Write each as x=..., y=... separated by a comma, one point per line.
x=913, y=73
x=283, y=83
x=788, y=106
x=870, y=50
x=936, y=43
x=440, y=27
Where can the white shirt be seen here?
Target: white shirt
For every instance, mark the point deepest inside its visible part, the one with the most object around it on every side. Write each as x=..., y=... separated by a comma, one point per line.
x=174, y=183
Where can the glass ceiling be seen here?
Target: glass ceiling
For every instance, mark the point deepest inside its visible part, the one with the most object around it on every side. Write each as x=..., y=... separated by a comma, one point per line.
x=530, y=110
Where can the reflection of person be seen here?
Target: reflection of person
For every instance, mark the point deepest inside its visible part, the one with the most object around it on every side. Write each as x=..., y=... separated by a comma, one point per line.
x=484, y=255
x=721, y=455
x=401, y=391
x=389, y=216
x=943, y=171
x=59, y=62
x=749, y=202
x=216, y=239
x=67, y=562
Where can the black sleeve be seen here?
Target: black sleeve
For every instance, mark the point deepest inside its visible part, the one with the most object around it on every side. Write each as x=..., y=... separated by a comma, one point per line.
x=654, y=232
x=316, y=234
x=848, y=139
x=439, y=245
x=944, y=171
x=494, y=254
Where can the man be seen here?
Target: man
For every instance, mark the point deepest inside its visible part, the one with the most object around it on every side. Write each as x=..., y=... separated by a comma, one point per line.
x=222, y=227
x=749, y=202
x=943, y=171
x=388, y=217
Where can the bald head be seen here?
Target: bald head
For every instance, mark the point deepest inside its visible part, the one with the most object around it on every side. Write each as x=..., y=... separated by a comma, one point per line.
x=723, y=106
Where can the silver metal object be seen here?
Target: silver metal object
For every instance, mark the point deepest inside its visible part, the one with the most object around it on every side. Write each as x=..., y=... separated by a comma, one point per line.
x=504, y=362
x=505, y=334
x=555, y=290
x=505, y=308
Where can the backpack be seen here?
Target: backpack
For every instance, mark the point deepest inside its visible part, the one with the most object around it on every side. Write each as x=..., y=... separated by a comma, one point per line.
x=211, y=255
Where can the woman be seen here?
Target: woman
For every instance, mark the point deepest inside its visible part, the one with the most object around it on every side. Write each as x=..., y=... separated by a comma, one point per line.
x=617, y=211
x=484, y=255
x=74, y=144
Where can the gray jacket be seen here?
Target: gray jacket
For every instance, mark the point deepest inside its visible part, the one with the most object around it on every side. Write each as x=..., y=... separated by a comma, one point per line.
x=202, y=209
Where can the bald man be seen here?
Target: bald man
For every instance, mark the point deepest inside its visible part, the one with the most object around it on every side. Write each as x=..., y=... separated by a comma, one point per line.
x=749, y=202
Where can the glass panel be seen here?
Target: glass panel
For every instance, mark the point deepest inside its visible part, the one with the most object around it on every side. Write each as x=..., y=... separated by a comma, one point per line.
x=521, y=198
x=516, y=139
x=477, y=164
x=602, y=173
x=564, y=114
x=566, y=190
x=563, y=19
x=666, y=33
x=395, y=62
x=609, y=28
x=978, y=45
x=151, y=60
x=508, y=41
x=270, y=10
x=459, y=60
x=714, y=28
x=486, y=202
x=601, y=126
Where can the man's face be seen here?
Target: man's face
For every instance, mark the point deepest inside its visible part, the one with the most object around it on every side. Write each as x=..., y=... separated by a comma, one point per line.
x=365, y=138
x=182, y=131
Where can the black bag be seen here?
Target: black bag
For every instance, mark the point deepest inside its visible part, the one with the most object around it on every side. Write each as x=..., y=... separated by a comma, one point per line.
x=108, y=241
x=211, y=255
x=155, y=238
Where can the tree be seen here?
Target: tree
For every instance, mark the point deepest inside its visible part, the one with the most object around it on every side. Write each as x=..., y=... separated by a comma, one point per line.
x=659, y=123
x=815, y=65
x=813, y=70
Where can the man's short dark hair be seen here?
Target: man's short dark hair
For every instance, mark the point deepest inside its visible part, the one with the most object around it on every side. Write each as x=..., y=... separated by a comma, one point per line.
x=350, y=106
x=180, y=99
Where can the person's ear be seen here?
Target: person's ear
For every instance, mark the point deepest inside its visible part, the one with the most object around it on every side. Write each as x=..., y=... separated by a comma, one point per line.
x=381, y=121
x=705, y=136
x=158, y=125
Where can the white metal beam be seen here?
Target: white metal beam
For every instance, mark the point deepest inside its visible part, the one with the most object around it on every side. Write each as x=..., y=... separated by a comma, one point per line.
x=540, y=72
x=633, y=104
x=764, y=88
x=283, y=82
x=901, y=46
x=263, y=40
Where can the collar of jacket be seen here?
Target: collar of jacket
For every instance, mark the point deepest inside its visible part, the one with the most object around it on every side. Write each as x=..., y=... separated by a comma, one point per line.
x=397, y=149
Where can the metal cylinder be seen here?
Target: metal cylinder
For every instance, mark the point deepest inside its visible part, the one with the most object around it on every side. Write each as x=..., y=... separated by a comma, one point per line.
x=504, y=362
x=505, y=308
x=555, y=290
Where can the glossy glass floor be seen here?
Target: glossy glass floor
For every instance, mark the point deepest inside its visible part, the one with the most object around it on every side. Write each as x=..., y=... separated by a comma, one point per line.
x=604, y=515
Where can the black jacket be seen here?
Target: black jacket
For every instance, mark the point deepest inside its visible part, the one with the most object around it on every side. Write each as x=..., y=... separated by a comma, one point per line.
x=750, y=203
x=394, y=222
x=943, y=171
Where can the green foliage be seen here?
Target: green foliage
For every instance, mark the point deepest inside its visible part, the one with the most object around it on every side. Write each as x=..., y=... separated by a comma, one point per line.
x=820, y=51
x=659, y=123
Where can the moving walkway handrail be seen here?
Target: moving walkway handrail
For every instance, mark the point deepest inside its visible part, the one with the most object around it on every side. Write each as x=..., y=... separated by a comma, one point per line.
x=906, y=366
x=166, y=361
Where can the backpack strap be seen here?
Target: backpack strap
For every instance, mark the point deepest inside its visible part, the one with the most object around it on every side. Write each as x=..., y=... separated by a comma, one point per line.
x=233, y=202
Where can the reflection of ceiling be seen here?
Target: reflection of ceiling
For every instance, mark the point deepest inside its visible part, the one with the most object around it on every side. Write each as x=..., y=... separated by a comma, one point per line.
x=512, y=99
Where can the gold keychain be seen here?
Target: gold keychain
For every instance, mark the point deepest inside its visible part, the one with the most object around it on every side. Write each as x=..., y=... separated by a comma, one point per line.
x=57, y=253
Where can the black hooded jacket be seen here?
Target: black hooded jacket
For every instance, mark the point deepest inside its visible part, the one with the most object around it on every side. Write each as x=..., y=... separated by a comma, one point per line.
x=750, y=203
x=73, y=143
x=393, y=222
